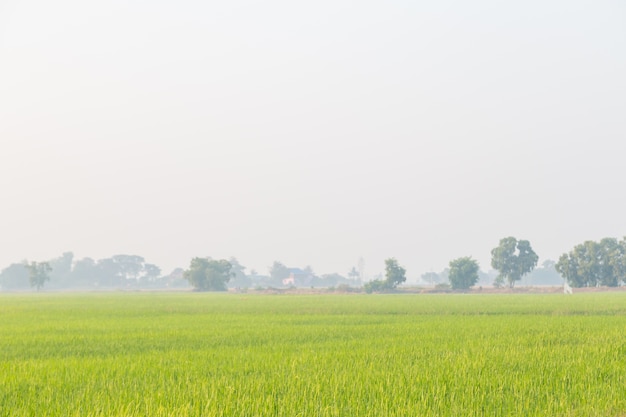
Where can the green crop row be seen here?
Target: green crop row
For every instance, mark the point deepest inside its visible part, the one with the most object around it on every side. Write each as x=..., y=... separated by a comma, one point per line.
x=190, y=354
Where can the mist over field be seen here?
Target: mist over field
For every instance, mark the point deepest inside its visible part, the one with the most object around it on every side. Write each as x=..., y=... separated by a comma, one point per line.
x=311, y=134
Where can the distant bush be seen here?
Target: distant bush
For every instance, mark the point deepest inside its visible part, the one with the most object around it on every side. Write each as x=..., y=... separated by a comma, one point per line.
x=376, y=286
x=347, y=288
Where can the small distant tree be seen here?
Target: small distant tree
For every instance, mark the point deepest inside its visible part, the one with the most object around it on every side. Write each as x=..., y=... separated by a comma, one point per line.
x=150, y=274
x=38, y=273
x=14, y=277
x=278, y=271
x=353, y=274
x=240, y=278
x=329, y=280
x=512, y=259
x=376, y=285
x=431, y=278
x=151, y=271
x=463, y=273
x=61, y=274
x=206, y=274
x=394, y=273
x=129, y=267
x=85, y=273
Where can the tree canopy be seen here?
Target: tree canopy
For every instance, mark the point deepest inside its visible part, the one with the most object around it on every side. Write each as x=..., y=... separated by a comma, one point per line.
x=513, y=259
x=591, y=264
x=206, y=274
x=278, y=271
x=463, y=273
x=394, y=273
x=15, y=276
x=38, y=273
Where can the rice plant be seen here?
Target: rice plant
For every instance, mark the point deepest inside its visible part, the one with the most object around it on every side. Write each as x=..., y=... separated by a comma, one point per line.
x=191, y=354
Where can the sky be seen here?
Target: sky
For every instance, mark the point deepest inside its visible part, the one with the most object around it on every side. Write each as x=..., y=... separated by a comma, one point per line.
x=312, y=133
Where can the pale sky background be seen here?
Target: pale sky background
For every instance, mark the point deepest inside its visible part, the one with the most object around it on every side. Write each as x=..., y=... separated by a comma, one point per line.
x=313, y=133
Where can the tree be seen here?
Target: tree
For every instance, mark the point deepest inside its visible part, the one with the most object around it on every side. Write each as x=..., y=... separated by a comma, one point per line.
x=14, y=277
x=545, y=275
x=394, y=273
x=463, y=273
x=38, y=273
x=353, y=274
x=123, y=270
x=61, y=275
x=279, y=272
x=327, y=280
x=85, y=273
x=129, y=266
x=175, y=279
x=376, y=285
x=590, y=263
x=150, y=273
x=612, y=261
x=431, y=278
x=206, y=274
x=240, y=279
x=513, y=259
x=108, y=273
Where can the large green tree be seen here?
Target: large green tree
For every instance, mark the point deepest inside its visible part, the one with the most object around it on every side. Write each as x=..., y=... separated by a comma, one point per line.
x=513, y=259
x=38, y=273
x=394, y=273
x=591, y=264
x=206, y=274
x=463, y=273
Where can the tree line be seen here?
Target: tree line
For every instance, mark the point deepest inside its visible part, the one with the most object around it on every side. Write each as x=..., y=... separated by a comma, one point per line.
x=119, y=271
x=588, y=264
x=512, y=258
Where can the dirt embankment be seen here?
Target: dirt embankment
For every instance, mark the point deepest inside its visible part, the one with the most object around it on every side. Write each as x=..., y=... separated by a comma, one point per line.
x=421, y=290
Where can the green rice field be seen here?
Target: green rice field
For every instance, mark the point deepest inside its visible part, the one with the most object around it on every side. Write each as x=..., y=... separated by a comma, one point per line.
x=199, y=354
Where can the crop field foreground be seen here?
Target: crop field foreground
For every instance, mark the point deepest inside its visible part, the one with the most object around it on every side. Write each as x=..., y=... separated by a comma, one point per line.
x=199, y=354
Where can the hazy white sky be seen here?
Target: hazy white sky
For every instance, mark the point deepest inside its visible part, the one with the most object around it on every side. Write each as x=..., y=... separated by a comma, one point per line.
x=313, y=133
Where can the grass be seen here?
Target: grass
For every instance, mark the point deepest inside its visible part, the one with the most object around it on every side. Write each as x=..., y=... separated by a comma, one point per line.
x=190, y=354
